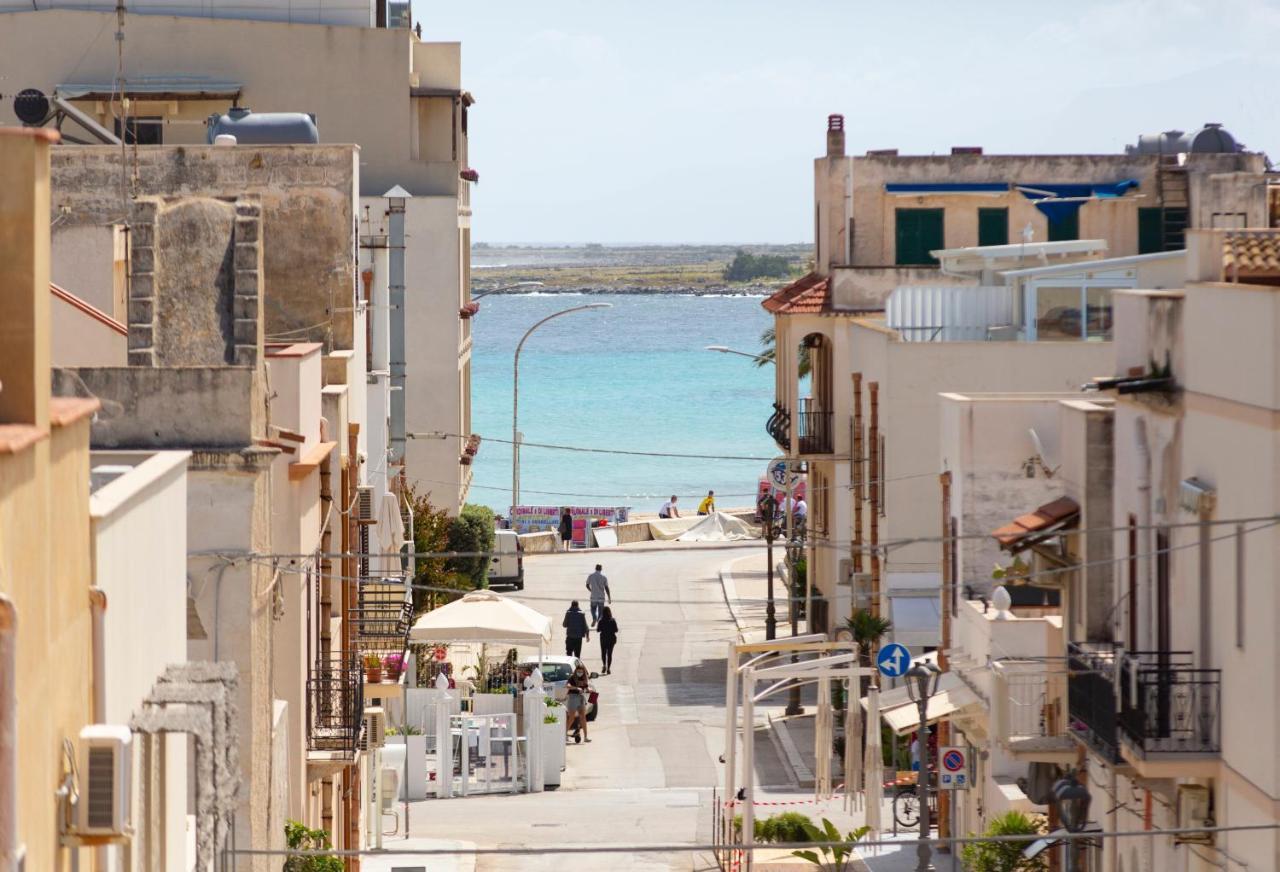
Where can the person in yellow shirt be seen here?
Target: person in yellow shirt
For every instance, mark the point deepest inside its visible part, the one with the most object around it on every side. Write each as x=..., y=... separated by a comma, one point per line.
x=708, y=504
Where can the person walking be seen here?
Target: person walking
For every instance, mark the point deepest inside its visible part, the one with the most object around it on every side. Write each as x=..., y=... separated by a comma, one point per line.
x=708, y=504
x=575, y=630
x=575, y=703
x=669, y=509
x=608, y=632
x=566, y=529
x=598, y=586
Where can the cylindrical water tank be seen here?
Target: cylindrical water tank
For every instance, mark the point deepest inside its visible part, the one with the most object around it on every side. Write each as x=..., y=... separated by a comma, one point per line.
x=264, y=128
x=1211, y=139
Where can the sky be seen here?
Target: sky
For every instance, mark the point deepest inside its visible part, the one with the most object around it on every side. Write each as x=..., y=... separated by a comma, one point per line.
x=698, y=121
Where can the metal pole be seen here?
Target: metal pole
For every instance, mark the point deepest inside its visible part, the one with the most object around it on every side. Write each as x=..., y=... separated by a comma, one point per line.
x=948, y=579
x=515, y=394
x=923, y=852
x=770, y=613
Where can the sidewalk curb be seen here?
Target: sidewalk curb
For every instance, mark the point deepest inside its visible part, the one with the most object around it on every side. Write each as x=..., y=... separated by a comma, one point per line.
x=801, y=774
x=730, y=591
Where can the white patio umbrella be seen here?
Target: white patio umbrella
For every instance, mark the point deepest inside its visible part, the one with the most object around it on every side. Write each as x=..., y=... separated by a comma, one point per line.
x=484, y=616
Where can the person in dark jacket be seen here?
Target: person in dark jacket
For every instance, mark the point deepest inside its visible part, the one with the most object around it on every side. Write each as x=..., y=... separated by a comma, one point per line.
x=575, y=630
x=608, y=630
x=566, y=529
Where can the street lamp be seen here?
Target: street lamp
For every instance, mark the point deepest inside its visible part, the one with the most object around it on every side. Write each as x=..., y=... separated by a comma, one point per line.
x=515, y=394
x=922, y=683
x=768, y=509
x=723, y=349
x=1072, y=799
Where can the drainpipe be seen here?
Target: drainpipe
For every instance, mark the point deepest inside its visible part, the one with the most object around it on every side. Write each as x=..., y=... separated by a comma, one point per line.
x=8, y=735
x=395, y=240
x=1144, y=522
x=98, y=605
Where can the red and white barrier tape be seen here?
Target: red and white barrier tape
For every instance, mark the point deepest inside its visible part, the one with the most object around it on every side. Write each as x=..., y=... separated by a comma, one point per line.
x=834, y=793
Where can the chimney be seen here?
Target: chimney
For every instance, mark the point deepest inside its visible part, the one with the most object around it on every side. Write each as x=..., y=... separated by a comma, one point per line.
x=966, y=149
x=835, y=136
x=24, y=275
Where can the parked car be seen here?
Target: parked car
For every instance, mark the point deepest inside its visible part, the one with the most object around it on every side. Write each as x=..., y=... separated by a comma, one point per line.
x=506, y=566
x=555, y=678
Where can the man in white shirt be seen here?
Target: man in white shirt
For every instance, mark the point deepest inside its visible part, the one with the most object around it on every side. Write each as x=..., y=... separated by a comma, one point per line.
x=669, y=509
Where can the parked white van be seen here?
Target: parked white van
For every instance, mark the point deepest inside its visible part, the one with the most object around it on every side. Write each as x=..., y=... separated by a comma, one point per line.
x=506, y=565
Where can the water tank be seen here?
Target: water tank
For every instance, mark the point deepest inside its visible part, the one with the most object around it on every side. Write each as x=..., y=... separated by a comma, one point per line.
x=1212, y=139
x=264, y=128
x=1169, y=142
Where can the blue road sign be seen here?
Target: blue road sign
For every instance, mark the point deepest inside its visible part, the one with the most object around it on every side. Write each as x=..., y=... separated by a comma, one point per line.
x=894, y=660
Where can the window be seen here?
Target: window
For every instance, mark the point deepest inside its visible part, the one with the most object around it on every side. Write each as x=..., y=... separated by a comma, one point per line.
x=1066, y=228
x=993, y=226
x=918, y=232
x=142, y=131
x=1150, y=230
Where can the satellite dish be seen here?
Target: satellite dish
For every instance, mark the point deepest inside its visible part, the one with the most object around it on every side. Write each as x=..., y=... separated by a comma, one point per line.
x=31, y=107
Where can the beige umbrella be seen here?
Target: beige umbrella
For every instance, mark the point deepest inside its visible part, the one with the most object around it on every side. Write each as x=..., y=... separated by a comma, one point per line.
x=874, y=776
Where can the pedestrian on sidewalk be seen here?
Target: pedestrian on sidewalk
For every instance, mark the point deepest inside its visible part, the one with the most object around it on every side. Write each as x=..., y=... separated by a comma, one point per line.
x=576, y=702
x=575, y=630
x=608, y=631
x=708, y=504
x=598, y=586
x=669, y=509
x=566, y=529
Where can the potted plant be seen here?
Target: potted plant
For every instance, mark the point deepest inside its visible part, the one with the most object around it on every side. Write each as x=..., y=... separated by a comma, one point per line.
x=393, y=665
x=552, y=745
x=372, y=669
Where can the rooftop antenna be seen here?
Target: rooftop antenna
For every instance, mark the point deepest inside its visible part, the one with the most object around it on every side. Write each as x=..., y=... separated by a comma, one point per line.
x=121, y=115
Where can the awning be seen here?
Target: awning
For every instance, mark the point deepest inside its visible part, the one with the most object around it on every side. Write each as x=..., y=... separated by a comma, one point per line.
x=1059, y=202
x=900, y=714
x=983, y=188
x=1027, y=530
x=154, y=88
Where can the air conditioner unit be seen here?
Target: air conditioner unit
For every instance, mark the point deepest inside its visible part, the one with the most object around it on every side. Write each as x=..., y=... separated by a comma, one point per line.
x=364, y=504
x=373, y=733
x=364, y=518
x=106, y=752
x=1196, y=496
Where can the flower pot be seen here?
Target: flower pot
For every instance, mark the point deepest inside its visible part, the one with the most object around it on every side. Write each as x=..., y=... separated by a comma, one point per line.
x=553, y=749
x=373, y=674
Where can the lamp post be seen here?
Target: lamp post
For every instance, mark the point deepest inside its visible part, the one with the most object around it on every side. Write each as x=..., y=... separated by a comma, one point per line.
x=1072, y=799
x=922, y=682
x=767, y=512
x=726, y=350
x=515, y=394
x=511, y=287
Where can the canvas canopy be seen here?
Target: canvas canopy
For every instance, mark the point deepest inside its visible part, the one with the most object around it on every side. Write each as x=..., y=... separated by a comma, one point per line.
x=718, y=527
x=483, y=616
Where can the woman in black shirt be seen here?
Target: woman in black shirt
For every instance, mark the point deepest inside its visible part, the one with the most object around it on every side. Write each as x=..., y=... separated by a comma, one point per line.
x=608, y=630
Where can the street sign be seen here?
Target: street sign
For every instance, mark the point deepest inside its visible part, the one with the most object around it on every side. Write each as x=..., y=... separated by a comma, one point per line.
x=954, y=771
x=894, y=660
x=441, y=653
x=778, y=476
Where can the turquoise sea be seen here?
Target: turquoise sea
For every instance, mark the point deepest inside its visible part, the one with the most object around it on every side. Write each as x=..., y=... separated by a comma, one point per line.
x=634, y=377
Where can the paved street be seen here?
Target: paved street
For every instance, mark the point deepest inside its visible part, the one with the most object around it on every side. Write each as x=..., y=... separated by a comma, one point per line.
x=646, y=776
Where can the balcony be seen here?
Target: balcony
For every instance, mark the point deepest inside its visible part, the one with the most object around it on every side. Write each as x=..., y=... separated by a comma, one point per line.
x=1029, y=717
x=1167, y=706
x=382, y=616
x=1142, y=706
x=779, y=427
x=335, y=703
x=814, y=426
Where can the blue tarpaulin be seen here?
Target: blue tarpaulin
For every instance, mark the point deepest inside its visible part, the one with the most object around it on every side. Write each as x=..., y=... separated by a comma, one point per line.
x=946, y=187
x=1056, y=211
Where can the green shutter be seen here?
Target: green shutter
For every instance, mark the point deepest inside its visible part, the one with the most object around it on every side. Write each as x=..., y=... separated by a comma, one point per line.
x=1066, y=229
x=917, y=232
x=993, y=226
x=1150, y=230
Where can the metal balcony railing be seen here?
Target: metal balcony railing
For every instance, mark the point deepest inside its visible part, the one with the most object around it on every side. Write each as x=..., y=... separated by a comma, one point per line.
x=814, y=426
x=382, y=617
x=1156, y=701
x=779, y=426
x=335, y=703
x=1091, y=699
x=1031, y=708
x=1168, y=706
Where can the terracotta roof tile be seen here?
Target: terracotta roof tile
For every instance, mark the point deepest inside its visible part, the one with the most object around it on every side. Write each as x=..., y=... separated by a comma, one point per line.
x=1050, y=514
x=805, y=296
x=1255, y=252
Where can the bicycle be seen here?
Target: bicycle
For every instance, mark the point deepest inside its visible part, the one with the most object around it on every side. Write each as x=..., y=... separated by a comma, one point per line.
x=906, y=800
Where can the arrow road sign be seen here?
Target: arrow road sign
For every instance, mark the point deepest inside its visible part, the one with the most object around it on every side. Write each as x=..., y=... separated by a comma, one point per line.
x=894, y=660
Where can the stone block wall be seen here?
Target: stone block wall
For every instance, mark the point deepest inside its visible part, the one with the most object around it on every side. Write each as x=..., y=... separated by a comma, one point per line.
x=195, y=280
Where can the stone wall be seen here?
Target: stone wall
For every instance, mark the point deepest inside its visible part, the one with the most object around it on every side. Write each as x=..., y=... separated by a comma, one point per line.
x=307, y=195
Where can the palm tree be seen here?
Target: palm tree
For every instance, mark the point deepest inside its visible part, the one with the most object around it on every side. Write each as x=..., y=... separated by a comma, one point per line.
x=769, y=352
x=867, y=629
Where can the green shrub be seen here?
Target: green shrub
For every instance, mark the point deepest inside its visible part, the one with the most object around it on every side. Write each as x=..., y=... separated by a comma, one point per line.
x=472, y=533
x=746, y=266
x=300, y=837
x=784, y=828
x=1005, y=856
